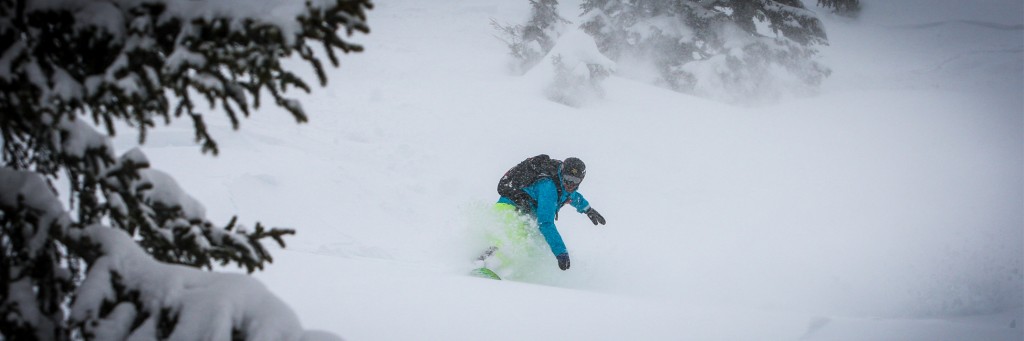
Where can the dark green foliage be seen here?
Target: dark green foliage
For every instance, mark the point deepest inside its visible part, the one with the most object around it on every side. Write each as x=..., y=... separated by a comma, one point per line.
x=227, y=65
x=544, y=22
x=140, y=64
x=678, y=37
x=843, y=7
x=529, y=43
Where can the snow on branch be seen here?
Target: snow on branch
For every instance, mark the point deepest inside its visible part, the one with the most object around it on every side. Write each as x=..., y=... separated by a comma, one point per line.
x=572, y=72
x=170, y=226
x=127, y=295
x=27, y=194
x=30, y=214
x=227, y=52
x=735, y=51
x=63, y=62
x=795, y=22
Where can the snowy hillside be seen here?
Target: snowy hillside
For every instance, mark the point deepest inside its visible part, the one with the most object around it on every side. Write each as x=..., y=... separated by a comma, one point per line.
x=890, y=206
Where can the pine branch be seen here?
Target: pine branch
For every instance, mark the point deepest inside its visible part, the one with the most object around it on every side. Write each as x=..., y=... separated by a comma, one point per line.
x=60, y=68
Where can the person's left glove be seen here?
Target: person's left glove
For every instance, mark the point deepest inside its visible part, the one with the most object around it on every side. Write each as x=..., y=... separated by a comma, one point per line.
x=563, y=261
x=595, y=217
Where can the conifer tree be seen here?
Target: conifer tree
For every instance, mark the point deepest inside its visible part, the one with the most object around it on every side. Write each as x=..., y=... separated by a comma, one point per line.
x=529, y=43
x=544, y=23
x=608, y=21
x=843, y=7
x=715, y=48
x=66, y=63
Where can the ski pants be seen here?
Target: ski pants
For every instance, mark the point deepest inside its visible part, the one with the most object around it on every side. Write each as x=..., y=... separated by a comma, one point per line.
x=513, y=235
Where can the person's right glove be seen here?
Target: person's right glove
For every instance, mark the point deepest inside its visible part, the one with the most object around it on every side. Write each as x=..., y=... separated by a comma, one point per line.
x=595, y=217
x=563, y=261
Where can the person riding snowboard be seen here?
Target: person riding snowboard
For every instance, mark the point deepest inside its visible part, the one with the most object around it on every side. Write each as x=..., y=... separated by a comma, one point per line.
x=537, y=188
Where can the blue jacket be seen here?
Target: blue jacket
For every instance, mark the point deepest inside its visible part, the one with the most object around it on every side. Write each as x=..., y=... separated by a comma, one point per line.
x=543, y=191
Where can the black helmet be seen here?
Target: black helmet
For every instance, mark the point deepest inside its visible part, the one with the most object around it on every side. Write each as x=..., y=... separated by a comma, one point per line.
x=574, y=170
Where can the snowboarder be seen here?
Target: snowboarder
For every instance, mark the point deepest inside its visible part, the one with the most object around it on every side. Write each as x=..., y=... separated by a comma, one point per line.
x=537, y=188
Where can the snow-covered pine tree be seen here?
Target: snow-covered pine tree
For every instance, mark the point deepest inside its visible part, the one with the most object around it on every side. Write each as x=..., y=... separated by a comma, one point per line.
x=573, y=70
x=544, y=24
x=529, y=43
x=773, y=53
x=733, y=50
x=91, y=270
x=661, y=32
x=850, y=8
x=613, y=24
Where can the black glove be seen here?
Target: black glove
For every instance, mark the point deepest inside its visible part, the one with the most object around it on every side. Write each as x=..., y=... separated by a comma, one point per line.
x=563, y=261
x=595, y=217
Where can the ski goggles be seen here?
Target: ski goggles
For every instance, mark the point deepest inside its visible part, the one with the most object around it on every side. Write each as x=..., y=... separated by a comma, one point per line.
x=572, y=179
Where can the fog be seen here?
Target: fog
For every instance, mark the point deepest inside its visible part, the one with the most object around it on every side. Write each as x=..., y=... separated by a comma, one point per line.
x=891, y=200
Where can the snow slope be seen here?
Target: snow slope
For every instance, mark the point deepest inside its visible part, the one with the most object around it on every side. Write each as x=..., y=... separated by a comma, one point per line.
x=888, y=207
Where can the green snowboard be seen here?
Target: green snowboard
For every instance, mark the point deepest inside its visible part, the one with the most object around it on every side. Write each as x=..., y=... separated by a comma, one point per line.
x=485, y=273
x=512, y=235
